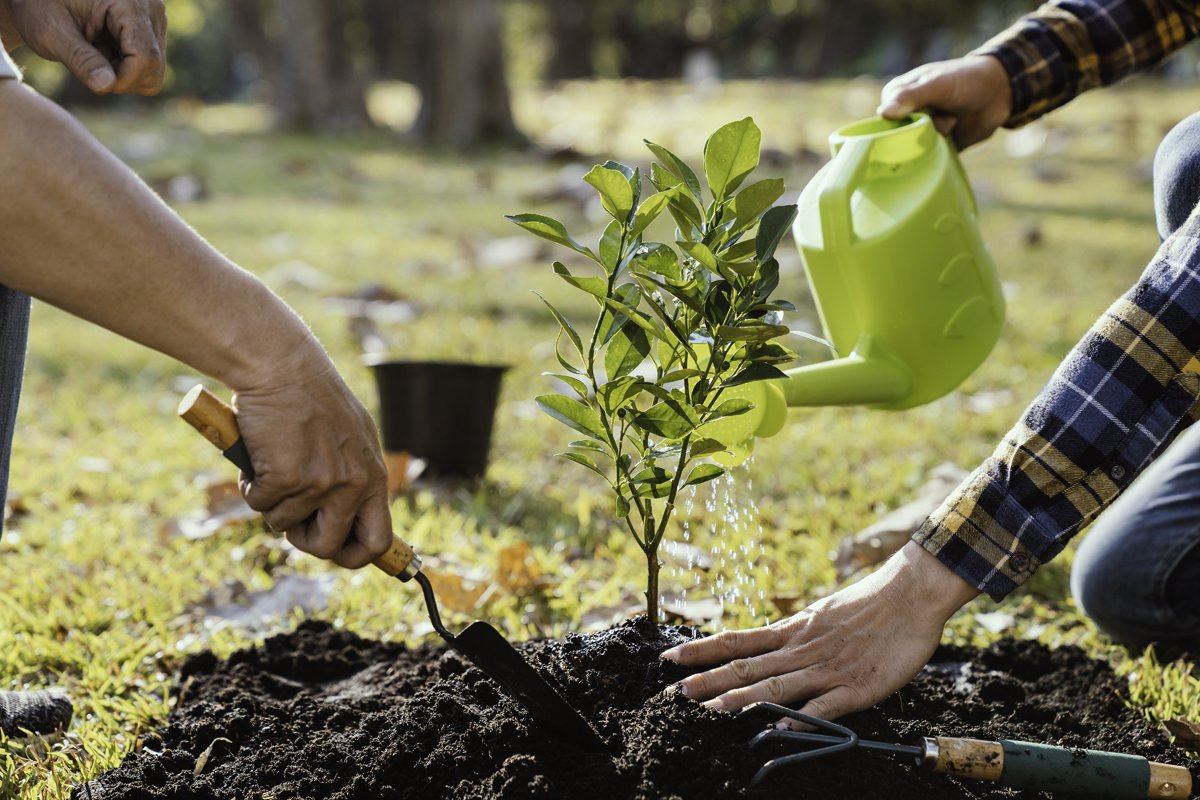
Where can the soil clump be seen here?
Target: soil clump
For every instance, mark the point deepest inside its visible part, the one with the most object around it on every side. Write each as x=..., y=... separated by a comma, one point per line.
x=322, y=713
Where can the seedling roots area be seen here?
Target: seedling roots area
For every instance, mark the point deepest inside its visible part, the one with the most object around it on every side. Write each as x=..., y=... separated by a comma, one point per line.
x=322, y=713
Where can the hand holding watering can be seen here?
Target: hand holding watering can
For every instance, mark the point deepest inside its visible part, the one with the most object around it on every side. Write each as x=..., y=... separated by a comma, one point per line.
x=905, y=287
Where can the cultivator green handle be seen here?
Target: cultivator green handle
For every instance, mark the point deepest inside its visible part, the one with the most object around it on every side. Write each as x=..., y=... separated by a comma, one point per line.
x=1047, y=768
x=217, y=422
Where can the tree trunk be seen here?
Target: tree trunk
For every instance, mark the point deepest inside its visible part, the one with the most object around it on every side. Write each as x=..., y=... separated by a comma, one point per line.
x=572, y=25
x=464, y=90
x=395, y=27
x=318, y=87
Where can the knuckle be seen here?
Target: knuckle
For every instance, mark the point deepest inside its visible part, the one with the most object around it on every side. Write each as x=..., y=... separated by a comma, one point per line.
x=729, y=643
x=775, y=689
x=742, y=669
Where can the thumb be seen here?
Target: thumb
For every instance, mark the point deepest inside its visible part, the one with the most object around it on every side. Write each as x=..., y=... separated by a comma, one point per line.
x=83, y=60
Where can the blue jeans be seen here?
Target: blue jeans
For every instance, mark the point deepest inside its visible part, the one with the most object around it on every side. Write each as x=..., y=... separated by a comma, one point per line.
x=1137, y=571
x=14, y=332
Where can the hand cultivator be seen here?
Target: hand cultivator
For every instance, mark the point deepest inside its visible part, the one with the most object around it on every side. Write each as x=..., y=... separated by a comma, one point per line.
x=480, y=642
x=1019, y=765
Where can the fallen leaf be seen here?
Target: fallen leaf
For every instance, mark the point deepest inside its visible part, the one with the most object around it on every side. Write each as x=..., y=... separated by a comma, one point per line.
x=995, y=621
x=519, y=571
x=456, y=592
x=788, y=603
x=1186, y=732
x=402, y=469
x=202, y=760
x=875, y=544
x=701, y=610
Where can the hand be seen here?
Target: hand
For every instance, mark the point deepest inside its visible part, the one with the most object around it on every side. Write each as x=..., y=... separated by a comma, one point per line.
x=109, y=45
x=969, y=97
x=841, y=654
x=319, y=472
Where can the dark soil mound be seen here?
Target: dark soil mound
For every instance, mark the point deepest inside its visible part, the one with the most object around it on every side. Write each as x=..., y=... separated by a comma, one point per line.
x=322, y=713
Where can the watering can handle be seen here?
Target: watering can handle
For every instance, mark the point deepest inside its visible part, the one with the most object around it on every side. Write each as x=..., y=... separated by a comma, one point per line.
x=847, y=170
x=217, y=422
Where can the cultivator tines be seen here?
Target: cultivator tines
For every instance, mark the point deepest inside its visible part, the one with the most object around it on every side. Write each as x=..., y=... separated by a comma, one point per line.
x=840, y=740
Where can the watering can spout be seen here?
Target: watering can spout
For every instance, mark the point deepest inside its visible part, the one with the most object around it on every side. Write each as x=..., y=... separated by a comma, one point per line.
x=865, y=377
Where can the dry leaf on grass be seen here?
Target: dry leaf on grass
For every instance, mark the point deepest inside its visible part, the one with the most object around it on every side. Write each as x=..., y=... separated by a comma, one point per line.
x=1186, y=732
x=519, y=571
x=225, y=507
x=402, y=469
x=456, y=592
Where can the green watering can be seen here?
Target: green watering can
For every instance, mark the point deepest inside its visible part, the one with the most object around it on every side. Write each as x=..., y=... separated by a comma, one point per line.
x=906, y=289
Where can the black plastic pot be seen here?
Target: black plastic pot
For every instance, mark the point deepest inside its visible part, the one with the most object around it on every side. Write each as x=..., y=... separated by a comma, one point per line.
x=439, y=412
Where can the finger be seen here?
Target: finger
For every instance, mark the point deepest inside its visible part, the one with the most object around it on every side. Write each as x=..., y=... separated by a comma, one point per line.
x=372, y=534
x=720, y=684
x=291, y=512
x=85, y=62
x=143, y=64
x=837, y=702
x=725, y=646
x=944, y=123
x=325, y=532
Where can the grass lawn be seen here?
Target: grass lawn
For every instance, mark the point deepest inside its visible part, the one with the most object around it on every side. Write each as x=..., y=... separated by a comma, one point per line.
x=98, y=591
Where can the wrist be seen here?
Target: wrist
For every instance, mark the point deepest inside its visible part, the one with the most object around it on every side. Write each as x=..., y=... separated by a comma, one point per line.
x=930, y=583
x=992, y=68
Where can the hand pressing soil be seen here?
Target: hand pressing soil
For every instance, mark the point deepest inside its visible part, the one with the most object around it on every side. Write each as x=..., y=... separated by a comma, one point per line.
x=322, y=713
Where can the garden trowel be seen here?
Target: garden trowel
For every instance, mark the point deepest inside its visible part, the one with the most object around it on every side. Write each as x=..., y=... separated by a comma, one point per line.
x=480, y=642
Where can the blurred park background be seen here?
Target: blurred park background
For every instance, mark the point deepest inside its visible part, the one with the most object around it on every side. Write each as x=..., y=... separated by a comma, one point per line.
x=360, y=156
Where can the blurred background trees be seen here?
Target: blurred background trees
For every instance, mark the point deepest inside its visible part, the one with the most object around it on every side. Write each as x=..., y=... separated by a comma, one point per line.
x=312, y=60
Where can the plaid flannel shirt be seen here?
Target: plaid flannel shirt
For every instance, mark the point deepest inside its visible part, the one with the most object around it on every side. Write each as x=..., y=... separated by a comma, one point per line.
x=1069, y=46
x=1131, y=385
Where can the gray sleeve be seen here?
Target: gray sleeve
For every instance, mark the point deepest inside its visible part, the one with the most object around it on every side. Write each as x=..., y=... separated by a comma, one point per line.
x=7, y=68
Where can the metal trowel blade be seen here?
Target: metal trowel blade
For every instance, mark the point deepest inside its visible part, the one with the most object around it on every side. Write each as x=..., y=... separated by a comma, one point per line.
x=493, y=654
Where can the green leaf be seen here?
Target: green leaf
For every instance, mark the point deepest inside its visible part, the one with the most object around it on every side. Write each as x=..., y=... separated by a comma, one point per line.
x=770, y=352
x=628, y=172
x=622, y=507
x=588, y=444
x=688, y=293
x=594, y=286
x=628, y=348
x=629, y=294
x=680, y=375
x=667, y=419
x=651, y=482
x=550, y=229
x=567, y=365
x=610, y=247
x=648, y=211
x=651, y=475
x=615, y=193
x=751, y=332
x=572, y=413
x=750, y=203
x=771, y=228
x=619, y=392
x=658, y=258
x=664, y=451
x=775, y=305
x=585, y=461
x=816, y=339
x=739, y=251
x=686, y=208
x=566, y=326
x=703, y=473
x=643, y=321
x=700, y=253
x=579, y=386
x=662, y=179
x=754, y=372
x=674, y=165
x=730, y=155
x=704, y=447
x=730, y=408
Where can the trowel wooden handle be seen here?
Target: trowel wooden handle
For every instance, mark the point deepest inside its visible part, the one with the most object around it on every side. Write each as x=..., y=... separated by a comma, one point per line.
x=1040, y=767
x=217, y=422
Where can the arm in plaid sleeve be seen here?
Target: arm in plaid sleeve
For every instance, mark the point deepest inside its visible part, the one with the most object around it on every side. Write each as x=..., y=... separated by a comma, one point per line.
x=1069, y=46
x=1112, y=406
